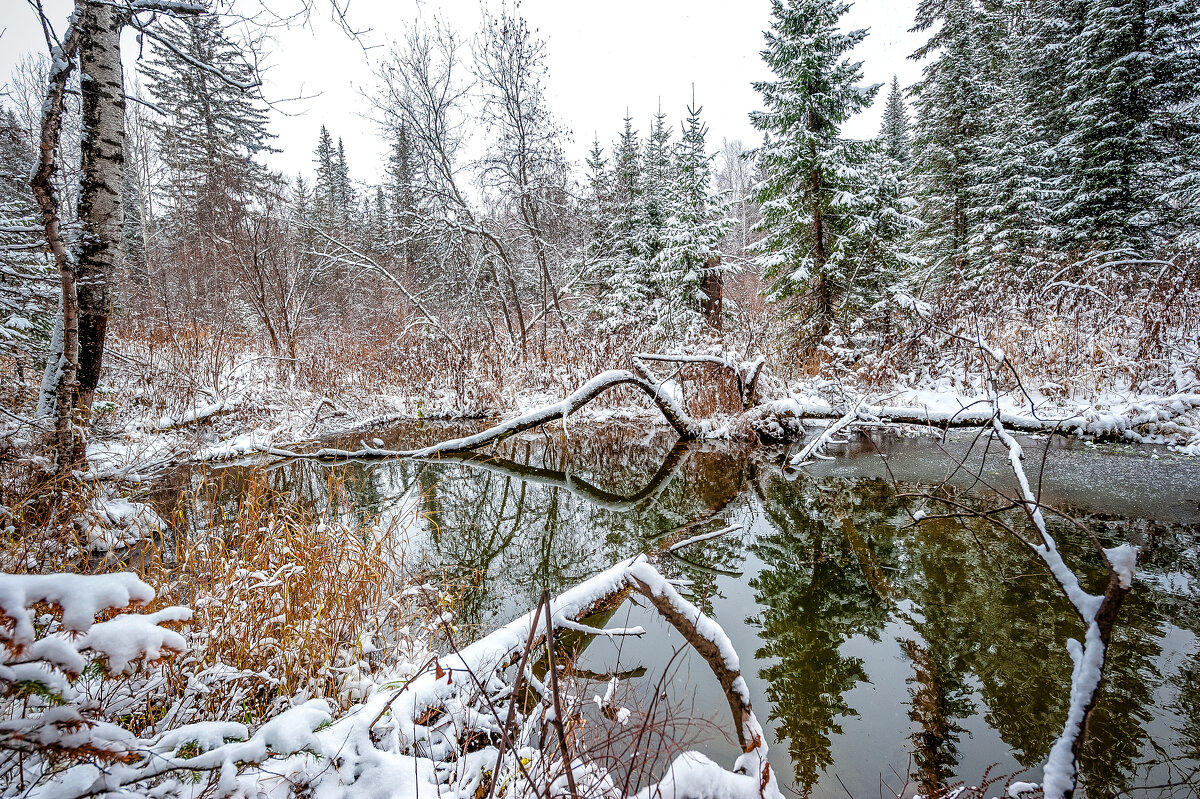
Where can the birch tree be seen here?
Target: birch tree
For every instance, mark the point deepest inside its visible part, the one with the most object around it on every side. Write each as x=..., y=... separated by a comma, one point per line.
x=102, y=155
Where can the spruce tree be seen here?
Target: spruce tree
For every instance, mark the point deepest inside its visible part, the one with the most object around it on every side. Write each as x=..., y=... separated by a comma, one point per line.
x=214, y=129
x=344, y=196
x=626, y=184
x=401, y=193
x=27, y=279
x=1131, y=73
x=1176, y=29
x=596, y=261
x=1010, y=195
x=809, y=190
x=880, y=240
x=624, y=292
x=325, y=188
x=653, y=201
x=894, y=133
x=133, y=243
x=951, y=102
x=640, y=286
x=690, y=271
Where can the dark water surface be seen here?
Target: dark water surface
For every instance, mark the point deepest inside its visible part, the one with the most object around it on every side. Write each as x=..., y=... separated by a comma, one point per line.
x=882, y=657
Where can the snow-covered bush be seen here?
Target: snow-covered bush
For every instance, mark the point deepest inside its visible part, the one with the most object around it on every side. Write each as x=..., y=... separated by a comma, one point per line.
x=64, y=639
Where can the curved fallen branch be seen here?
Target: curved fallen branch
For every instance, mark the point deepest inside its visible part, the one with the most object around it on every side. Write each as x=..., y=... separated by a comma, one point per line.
x=404, y=716
x=676, y=416
x=746, y=373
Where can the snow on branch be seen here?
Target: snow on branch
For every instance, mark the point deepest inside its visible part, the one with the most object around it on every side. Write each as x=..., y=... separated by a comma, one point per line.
x=407, y=734
x=465, y=686
x=675, y=415
x=1098, y=612
x=817, y=445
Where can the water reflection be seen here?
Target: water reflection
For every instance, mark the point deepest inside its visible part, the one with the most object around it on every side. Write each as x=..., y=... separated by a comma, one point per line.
x=935, y=650
x=821, y=585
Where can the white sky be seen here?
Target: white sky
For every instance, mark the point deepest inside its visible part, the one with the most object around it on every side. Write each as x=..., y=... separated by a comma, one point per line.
x=603, y=58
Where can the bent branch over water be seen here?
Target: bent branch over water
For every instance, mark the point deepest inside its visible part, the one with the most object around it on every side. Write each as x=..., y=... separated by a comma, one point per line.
x=671, y=411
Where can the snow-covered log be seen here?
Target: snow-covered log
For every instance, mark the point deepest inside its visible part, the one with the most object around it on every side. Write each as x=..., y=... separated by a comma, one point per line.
x=675, y=415
x=405, y=719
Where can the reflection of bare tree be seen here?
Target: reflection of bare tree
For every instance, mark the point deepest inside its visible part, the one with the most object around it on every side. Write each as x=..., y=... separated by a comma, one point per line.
x=525, y=520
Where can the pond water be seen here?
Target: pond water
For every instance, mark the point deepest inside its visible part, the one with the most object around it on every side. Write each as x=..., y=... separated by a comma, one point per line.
x=882, y=657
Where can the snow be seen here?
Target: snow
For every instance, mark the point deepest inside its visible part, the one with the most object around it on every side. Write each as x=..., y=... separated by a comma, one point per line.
x=1173, y=420
x=114, y=522
x=131, y=637
x=1058, y=775
x=1123, y=560
x=546, y=413
x=346, y=758
x=814, y=448
x=80, y=597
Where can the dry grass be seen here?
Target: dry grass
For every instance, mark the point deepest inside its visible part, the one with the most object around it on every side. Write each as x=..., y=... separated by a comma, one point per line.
x=289, y=599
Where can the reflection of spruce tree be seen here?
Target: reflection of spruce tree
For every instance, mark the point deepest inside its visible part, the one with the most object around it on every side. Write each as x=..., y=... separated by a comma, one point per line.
x=939, y=696
x=709, y=484
x=1187, y=680
x=815, y=596
x=1008, y=633
x=1178, y=553
x=939, y=691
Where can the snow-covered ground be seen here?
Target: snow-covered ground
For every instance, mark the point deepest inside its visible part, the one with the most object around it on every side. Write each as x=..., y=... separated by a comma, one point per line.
x=256, y=405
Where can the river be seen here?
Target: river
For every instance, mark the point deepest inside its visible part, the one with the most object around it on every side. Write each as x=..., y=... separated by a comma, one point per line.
x=883, y=656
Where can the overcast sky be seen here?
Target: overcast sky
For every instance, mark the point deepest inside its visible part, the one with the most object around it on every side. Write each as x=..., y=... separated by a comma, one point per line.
x=604, y=58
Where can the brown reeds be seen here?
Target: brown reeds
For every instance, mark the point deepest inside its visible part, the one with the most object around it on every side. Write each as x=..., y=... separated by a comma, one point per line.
x=289, y=598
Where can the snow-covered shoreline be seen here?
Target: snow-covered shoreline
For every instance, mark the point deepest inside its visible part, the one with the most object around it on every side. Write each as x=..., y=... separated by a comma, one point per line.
x=274, y=417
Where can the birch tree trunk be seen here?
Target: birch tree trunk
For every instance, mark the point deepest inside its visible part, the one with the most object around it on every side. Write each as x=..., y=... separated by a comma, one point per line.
x=59, y=383
x=103, y=162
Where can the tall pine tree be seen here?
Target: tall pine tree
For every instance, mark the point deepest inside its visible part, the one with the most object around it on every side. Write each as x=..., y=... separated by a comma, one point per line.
x=214, y=129
x=812, y=177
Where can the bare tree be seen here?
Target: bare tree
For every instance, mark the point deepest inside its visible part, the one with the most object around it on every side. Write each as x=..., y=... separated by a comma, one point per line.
x=421, y=93
x=525, y=163
x=735, y=180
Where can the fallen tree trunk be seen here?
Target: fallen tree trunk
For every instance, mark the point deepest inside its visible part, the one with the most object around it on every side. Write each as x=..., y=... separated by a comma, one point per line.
x=676, y=416
x=1098, y=424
